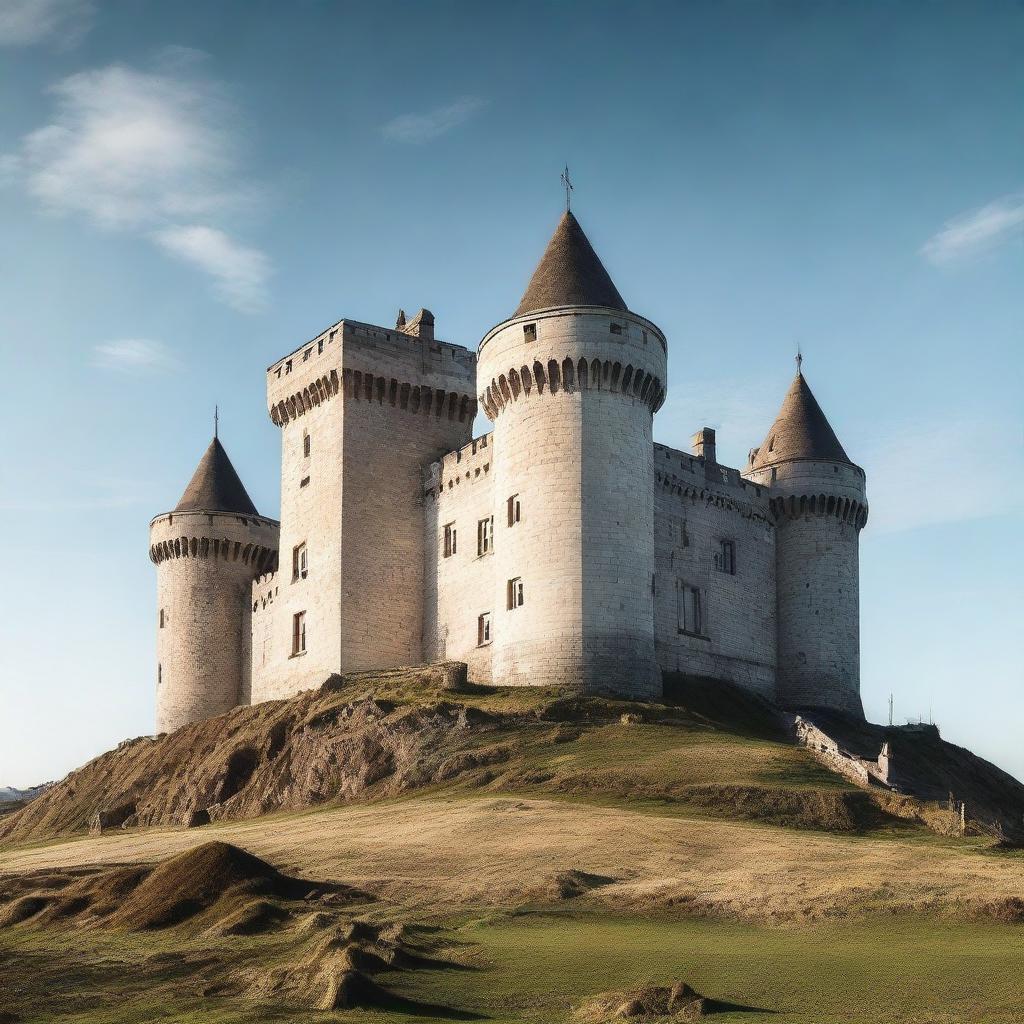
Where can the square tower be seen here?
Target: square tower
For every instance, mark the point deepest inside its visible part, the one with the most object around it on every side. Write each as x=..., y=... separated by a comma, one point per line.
x=362, y=410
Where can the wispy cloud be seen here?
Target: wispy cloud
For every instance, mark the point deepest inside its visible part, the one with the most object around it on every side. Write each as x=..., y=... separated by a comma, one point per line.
x=152, y=152
x=59, y=22
x=423, y=127
x=978, y=230
x=240, y=273
x=134, y=355
x=904, y=491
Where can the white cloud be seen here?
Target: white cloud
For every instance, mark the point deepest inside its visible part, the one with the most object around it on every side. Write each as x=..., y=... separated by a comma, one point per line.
x=240, y=273
x=128, y=147
x=28, y=22
x=134, y=355
x=152, y=152
x=418, y=128
x=976, y=231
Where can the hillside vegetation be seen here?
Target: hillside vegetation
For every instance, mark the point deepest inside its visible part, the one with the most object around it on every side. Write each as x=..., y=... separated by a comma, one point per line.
x=388, y=849
x=383, y=735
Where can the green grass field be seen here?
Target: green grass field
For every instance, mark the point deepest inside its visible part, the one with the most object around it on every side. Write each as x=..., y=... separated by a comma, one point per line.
x=535, y=967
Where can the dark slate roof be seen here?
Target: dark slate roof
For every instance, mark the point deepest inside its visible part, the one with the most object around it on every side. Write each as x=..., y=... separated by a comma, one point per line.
x=800, y=431
x=570, y=274
x=215, y=486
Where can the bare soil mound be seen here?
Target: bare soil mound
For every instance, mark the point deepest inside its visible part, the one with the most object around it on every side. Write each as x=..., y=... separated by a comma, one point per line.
x=677, y=1002
x=221, y=886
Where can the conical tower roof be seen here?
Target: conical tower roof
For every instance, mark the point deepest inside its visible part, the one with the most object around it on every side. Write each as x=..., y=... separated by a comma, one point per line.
x=570, y=274
x=215, y=486
x=800, y=431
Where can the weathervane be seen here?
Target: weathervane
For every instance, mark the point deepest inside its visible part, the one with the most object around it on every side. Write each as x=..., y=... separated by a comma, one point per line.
x=216, y=420
x=567, y=185
x=799, y=360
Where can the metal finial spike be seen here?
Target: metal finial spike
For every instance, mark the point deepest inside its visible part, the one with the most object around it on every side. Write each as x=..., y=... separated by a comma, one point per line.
x=567, y=185
x=799, y=360
x=216, y=421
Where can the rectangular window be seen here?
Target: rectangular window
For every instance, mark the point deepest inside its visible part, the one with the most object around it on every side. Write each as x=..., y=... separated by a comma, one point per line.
x=159, y=674
x=320, y=347
x=299, y=633
x=615, y=328
x=288, y=366
x=451, y=540
x=485, y=536
x=515, y=510
x=304, y=482
x=529, y=332
x=725, y=557
x=515, y=593
x=690, y=609
x=300, y=564
x=161, y=618
x=307, y=354
x=307, y=444
x=483, y=629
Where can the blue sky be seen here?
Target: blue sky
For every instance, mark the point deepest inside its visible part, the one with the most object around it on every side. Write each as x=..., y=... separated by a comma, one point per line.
x=187, y=191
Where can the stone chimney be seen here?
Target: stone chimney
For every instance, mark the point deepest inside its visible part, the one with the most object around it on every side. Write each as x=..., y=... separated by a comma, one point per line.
x=704, y=445
x=420, y=326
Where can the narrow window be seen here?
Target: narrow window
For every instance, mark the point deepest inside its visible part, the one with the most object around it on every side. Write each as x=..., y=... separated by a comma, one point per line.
x=304, y=482
x=332, y=334
x=515, y=593
x=725, y=557
x=307, y=444
x=529, y=332
x=307, y=354
x=450, y=540
x=320, y=347
x=288, y=366
x=696, y=610
x=299, y=633
x=279, y=371
x=615, y=328
x=485, y=536
x=161, y=618
x=515, y=510
x=645, y=336
x=159, y=674
x=483, y=629
x=300, y=564
x=690, y=609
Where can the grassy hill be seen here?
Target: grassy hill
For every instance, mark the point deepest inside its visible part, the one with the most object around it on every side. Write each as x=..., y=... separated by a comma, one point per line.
x=533, y=851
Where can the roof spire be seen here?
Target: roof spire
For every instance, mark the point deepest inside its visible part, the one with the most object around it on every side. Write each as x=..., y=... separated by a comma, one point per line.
x=567, y=185
x=800, y=431
x=570, y=273
x=799, y=359
x=216, y=421
x=215, y=486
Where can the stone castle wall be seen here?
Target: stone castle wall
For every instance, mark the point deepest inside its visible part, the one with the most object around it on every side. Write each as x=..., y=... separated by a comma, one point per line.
x=362, y=410
x=700, y=506
x=459, y=586
x=819, y=509
x=205, y=564
x=572, y=395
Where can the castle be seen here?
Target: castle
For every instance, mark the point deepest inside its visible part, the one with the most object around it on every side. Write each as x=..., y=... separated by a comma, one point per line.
x=562, y=548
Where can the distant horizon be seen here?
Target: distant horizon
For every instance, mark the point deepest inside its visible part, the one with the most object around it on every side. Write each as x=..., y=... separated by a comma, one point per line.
x=189, y=192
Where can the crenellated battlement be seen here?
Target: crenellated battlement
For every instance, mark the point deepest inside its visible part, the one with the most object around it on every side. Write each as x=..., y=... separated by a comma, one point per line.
x=264, y=590
x=569, y=376
x=372, y=363
x=469, y=463
x=846, y=510
x=214, y=535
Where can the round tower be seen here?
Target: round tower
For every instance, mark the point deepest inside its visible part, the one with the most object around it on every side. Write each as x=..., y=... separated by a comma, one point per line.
x=571, y=383
x=819, y=506
x=207, y=553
